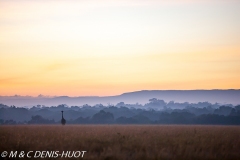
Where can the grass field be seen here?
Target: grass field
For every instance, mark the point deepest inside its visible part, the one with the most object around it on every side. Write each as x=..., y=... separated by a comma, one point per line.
x=126, y=141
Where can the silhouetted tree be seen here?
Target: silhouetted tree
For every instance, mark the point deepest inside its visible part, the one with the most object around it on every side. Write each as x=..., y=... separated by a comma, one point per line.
x=40, y=120
x=103, y=117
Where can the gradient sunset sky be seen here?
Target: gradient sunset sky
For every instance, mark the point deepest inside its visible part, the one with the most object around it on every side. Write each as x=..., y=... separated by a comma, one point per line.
x=108, y=47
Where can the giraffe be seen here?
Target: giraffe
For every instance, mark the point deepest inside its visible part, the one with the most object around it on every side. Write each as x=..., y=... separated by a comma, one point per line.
x=63, y=121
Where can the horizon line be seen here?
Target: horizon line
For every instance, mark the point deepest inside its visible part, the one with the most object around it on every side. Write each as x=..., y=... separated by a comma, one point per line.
x=50, y=96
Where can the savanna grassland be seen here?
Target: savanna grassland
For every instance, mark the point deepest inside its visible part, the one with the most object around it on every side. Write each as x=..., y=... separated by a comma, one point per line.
x=126, y=141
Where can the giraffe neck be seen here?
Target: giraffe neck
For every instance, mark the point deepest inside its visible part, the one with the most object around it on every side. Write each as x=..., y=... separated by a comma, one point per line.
x=62, y=115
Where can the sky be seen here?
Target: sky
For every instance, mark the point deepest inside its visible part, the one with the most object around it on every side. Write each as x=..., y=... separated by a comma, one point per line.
x=108, y=47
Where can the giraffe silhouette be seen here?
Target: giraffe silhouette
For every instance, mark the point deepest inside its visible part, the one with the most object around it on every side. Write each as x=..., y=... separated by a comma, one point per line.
x=63, y=121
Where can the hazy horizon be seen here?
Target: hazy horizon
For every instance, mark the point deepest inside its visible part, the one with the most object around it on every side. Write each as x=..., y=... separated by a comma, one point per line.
x=140, y=97
x=50, y=96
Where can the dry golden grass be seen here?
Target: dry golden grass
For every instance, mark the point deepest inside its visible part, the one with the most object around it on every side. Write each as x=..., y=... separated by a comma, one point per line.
x=127, y=141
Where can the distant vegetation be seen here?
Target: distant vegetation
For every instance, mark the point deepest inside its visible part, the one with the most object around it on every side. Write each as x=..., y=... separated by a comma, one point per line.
x=120, y=142
x=154, y=112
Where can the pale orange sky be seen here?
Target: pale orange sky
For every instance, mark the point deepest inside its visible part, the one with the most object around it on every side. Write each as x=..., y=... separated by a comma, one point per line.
x=82, y=48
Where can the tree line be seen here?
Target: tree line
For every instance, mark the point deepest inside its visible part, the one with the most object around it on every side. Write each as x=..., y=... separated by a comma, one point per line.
x=122, y=114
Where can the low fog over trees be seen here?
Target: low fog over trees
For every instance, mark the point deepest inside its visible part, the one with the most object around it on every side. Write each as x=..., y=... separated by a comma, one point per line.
x=154, y=112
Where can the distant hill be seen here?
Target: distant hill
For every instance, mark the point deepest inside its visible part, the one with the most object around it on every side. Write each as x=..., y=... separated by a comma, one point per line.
x=193, y=96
